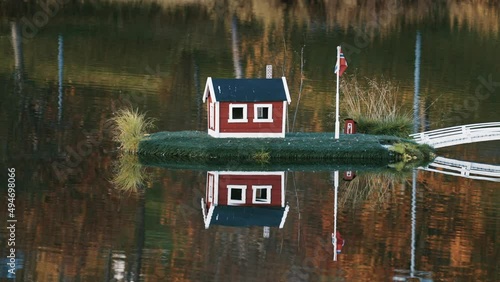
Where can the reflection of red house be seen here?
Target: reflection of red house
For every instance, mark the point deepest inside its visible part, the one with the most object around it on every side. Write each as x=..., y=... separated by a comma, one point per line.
x=245, y=199
x=246, y=107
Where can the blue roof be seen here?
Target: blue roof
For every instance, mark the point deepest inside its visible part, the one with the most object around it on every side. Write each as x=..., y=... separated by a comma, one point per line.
x=248, y=90
x=247, y=216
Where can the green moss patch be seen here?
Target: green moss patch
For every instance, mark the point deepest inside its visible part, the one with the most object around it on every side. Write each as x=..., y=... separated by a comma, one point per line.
x=193, y=145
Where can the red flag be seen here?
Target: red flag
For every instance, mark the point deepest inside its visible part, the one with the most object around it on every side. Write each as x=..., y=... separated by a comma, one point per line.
x=343, y=63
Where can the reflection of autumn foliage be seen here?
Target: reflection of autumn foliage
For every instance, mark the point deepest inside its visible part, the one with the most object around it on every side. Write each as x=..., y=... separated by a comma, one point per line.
x=459, y=232
x=482, y=16
x=66, y=230
x=72, y=228
x=374, y=16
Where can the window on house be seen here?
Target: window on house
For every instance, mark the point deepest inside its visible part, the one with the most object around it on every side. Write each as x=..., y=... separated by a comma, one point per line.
x=263, y=113
x=238, y=113
x=236, y=194
x=261, y=194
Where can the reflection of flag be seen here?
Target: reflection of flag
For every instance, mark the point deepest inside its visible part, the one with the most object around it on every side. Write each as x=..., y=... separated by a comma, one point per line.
x=342, y=63
x=339, y=241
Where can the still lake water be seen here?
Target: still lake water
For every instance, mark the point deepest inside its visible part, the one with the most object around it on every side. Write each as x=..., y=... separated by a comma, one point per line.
x=62, y=78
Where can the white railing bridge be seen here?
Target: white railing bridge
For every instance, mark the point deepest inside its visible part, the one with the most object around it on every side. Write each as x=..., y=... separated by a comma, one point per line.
x=464, y=169
x=458, y=135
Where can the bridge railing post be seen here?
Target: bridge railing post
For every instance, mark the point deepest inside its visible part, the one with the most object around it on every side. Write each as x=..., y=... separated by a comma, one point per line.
x=423, y=137
x=466, y=133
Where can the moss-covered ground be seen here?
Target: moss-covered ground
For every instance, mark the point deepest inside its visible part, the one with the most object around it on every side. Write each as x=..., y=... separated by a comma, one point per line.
x=294, y=148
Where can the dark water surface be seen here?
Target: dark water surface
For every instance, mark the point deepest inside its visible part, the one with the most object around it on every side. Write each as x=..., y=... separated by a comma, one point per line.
x=63, y=75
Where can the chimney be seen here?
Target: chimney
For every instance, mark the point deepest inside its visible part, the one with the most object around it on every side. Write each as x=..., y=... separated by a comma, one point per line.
x=269, y=71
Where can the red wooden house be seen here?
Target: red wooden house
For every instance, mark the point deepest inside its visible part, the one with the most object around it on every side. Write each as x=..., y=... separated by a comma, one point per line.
x=236, y=198
x=246, y=107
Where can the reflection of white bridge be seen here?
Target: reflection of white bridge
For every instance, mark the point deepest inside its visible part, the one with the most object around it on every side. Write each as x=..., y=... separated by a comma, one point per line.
x=465, y=169
x=457, y=135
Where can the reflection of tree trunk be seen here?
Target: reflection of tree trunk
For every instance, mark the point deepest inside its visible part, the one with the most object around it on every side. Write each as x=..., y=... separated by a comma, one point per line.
x=199, y=95
x=108, y=266
x=61, y=270
x=236, y=52
x=416, y=94
x=17, y=45
x=413, y=220
x=417, y=122
x=60, y=64
x=140, y=234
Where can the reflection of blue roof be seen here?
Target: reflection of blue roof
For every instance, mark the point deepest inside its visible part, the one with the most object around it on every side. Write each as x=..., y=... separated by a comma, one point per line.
x=250, y=90
x=247, y=216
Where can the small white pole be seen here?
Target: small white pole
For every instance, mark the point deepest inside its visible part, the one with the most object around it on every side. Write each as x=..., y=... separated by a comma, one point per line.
x=337, y=123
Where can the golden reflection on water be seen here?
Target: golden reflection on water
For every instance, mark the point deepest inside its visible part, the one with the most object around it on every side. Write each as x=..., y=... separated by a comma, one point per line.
x=371, y=189
x=384, y=16
x=130, y=175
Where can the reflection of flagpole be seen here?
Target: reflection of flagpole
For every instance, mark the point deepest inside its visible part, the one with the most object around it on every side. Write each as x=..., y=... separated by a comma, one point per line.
x=416, y=94
x=337, y=123
x=334, y=237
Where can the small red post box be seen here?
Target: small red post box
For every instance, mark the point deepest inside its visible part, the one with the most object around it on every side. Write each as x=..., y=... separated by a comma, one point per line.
x=349, y=126
x=349, y=175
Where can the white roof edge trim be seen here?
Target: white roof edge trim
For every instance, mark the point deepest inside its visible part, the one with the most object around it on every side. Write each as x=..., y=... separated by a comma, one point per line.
x=283, y=219
x=285, y=85
x=209, y=88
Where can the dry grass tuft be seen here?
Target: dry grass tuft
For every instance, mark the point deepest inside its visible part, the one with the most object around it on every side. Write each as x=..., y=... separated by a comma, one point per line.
x=375, y=105
x=131, y=128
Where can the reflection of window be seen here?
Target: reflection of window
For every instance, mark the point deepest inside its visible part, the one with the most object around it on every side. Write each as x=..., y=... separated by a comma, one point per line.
x=263, y=113
x=236, y=194
x=238, y=113
x=261, y=194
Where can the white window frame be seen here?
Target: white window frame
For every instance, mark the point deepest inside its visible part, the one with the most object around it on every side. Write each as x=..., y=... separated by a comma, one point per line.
x=254, y=198
x=245, y=116
x=243, y=194
x=269, y=112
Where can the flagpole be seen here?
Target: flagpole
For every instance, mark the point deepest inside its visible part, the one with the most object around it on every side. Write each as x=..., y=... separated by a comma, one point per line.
x=334, y=241
x=337, y=123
